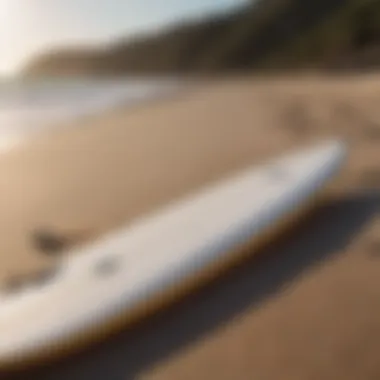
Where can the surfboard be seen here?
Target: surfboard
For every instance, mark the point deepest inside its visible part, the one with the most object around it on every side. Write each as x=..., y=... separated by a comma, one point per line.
x=131, y=272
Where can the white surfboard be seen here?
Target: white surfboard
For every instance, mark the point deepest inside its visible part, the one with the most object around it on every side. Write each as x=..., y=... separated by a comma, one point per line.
x=114, y=278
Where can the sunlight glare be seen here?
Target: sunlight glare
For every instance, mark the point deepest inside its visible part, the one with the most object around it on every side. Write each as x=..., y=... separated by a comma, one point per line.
x=8, y=9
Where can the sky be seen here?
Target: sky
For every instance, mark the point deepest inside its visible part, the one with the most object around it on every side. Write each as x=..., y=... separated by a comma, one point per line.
x=28, y=27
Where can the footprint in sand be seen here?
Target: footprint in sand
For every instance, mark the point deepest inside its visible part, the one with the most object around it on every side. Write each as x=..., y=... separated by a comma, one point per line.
x=50, y=242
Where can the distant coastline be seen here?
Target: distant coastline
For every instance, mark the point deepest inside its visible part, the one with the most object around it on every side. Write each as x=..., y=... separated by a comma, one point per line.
x=264, y=35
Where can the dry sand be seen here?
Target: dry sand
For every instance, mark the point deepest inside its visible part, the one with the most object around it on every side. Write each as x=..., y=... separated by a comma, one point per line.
x=309, y=310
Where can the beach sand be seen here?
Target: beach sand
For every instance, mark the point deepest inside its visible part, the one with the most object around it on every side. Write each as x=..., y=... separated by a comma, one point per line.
x=310, y=310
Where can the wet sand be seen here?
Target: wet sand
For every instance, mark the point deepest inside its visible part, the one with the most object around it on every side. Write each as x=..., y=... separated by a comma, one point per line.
x=308, y=309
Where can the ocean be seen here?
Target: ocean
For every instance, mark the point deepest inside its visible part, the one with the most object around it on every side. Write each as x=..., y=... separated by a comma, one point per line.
x=30, y=107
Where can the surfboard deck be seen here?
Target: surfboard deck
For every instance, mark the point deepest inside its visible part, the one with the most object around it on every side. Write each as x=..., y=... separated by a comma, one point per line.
x=131, y=272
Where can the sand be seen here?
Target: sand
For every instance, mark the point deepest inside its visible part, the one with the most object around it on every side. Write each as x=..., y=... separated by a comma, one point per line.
x=309, y=310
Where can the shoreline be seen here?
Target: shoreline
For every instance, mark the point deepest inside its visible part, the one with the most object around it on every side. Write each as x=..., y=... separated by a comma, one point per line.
x=75, y=118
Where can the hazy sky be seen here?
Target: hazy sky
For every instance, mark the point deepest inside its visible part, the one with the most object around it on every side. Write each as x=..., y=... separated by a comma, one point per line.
x=29, y=26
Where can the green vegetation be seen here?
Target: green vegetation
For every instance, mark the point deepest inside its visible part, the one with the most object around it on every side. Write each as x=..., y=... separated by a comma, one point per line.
x=267, y=34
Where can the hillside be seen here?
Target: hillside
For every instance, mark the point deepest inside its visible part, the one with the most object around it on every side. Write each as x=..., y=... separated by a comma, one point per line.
x=267, y=34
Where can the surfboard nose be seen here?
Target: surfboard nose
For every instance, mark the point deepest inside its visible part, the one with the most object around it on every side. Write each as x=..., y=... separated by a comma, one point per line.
x=331, y=155
x=331, y=151
x=336, y=148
